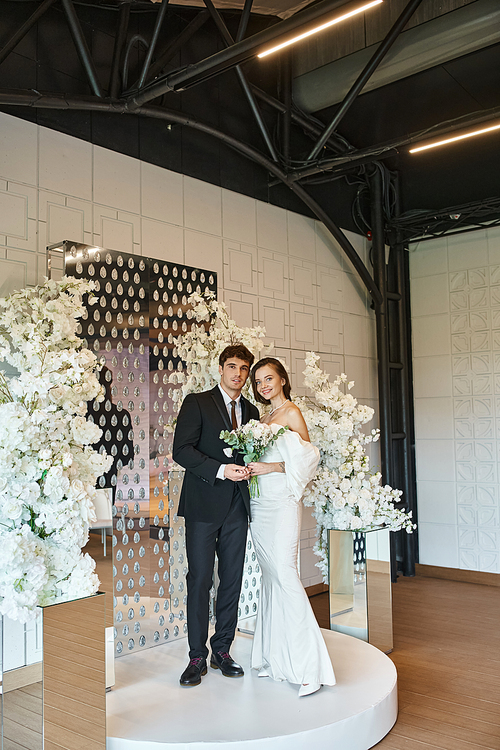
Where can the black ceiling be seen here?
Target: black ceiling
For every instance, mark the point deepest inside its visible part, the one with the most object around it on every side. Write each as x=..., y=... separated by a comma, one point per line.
x=46, y=61
x=464, y=172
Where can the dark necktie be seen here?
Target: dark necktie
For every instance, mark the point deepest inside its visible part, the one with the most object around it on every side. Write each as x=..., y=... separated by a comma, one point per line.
x=234, y=423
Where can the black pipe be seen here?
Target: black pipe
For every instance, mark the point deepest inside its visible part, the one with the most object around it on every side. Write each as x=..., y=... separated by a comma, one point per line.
x=380, y=276
x=286, y=77
x=297, y=117
x=256, y=113
x=82, y=47
x=409, y=542
x=382, y=330
x=156, y=31
x=67, y=102
x=389, y=148
x=133, y=40
x=228, y=39
x=245, y=17
x=365, y=75
x=120, y=39
x=339, y=164
x=23, y=30
x=232, y=56
x=174, y=46
x=345, y=167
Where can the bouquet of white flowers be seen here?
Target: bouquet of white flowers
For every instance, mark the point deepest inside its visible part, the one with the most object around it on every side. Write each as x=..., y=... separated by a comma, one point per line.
x=251, y=440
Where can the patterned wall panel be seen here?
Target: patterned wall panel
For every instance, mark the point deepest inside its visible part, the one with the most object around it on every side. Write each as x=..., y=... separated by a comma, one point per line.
x=142, y=306
x=475, y=341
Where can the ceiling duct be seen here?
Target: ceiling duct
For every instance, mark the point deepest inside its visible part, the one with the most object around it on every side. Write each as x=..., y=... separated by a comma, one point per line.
x=453, y=35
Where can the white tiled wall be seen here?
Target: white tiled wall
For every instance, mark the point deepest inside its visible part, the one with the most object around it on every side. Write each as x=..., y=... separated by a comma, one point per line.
x=455, y=290
x=275, y=268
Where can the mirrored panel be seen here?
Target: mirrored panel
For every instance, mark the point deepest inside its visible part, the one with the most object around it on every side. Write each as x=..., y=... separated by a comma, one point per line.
x=360, y=594
x=141, y=307
x=56, y=699
x=22, y=686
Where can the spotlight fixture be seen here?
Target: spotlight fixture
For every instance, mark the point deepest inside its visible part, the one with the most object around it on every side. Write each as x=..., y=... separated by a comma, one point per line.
x=462, y=136
x=315, y=29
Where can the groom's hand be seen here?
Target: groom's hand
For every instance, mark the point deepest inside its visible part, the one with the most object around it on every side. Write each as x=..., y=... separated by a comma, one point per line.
x=236, y=473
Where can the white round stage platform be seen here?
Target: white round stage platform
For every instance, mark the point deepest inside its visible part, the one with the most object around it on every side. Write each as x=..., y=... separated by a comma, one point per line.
x=148, y=710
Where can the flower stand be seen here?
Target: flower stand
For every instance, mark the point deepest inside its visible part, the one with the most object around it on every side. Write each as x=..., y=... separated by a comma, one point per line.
x=62, y=705
x=360, y=585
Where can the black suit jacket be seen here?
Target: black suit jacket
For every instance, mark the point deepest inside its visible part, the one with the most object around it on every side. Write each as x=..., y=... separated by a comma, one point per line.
x=198, y=448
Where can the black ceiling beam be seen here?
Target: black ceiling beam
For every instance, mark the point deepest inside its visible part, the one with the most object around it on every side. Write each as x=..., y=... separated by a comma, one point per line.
x=365, y=75
x=27, y=25
x=308, y=124
x=286, y=124
x=390, y=148
x=82, y=47
x=431, y=223
x=120, y=39
x=245, y=17
x=38, y=100
x=175, y=45
x=154, y=38
x=229, y=41
x=232, y=56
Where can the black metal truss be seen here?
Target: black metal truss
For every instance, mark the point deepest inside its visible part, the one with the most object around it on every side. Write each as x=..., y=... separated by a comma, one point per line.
x=429, y=225
x=152, y=83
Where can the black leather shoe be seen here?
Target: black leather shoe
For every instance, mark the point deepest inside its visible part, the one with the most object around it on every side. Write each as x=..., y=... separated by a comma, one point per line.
x=195, y=670
x=223, y=661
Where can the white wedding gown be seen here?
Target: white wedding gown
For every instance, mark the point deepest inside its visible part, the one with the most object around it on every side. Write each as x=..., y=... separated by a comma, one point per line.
x=288, y=643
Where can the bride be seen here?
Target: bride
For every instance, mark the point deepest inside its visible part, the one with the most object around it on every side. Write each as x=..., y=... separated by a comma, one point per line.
x=288, y=644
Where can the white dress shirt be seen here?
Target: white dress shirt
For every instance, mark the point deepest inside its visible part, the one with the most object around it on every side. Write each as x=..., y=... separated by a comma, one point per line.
x=227, y=402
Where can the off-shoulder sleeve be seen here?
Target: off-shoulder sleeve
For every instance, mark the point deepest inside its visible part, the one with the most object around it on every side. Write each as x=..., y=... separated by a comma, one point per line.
x=301, y=462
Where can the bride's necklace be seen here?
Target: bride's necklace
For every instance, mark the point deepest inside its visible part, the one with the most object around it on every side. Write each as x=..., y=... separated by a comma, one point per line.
x=279, y=407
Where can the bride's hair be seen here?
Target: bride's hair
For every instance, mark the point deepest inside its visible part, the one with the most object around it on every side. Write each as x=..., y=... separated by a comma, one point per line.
x=278, y=367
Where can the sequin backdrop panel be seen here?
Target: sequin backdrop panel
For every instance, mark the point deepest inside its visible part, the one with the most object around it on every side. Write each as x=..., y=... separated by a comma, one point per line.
x=116, y=328
x=170, y=286
x=141, y=307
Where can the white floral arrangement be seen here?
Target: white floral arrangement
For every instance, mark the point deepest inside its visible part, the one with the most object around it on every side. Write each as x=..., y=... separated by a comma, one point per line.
x=345, y=495
x=48, y=469
x=199, y=349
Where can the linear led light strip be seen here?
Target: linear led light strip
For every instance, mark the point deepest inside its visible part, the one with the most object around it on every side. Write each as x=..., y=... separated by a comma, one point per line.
x=455, y=138
x=320, y=28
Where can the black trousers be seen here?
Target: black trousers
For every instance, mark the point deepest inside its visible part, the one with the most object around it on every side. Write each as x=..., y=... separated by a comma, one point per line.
x=203, y=540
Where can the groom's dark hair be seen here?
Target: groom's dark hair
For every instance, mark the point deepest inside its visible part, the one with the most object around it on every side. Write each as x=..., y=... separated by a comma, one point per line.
x=236, y=350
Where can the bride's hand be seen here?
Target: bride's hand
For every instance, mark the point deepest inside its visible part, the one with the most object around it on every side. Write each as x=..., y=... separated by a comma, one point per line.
x=258, y=468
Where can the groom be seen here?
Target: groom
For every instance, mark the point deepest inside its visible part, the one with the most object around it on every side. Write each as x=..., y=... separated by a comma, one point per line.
x=215, y=504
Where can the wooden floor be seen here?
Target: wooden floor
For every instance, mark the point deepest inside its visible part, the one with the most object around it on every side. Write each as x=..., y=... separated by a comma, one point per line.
x=22, y=718
x=447, y=653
